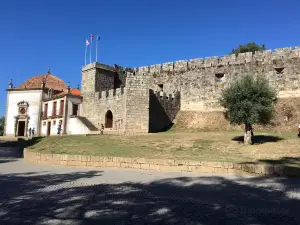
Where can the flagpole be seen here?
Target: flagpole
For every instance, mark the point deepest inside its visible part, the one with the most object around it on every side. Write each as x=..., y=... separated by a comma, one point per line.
x=97, y=48
x=85, y=54
x=91, y=49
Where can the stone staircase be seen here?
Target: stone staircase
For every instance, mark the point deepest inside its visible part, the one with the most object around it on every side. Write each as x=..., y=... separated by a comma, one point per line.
x=107, y=131
x=88, y=124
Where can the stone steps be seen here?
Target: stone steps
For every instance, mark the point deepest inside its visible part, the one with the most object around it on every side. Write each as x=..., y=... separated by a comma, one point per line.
x=105, y=132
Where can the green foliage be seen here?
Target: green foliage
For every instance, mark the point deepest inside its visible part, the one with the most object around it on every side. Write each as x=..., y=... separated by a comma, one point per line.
x=2, y=122
x=250, y=47
x=249, y=100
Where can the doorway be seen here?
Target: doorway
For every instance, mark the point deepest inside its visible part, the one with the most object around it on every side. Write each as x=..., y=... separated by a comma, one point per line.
x=49, y=129
x=21, y=128
x=108, y=119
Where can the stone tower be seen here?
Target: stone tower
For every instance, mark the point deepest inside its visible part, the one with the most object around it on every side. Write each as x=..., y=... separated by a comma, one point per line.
x=137, y=102
x=96, y=78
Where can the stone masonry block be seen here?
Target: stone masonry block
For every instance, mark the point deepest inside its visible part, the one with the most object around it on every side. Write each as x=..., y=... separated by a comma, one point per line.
x=168, y=66
x=196, y=63
x=135, y=165
x=141, y=161
x=145, y=166
x=93, y=164
x=124, y=165
x=218, y=170
x=169, y=162
x=206, y=169
x=95, y=158
x=154, y=167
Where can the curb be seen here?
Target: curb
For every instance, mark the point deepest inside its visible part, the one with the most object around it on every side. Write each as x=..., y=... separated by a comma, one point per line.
x=160, y=164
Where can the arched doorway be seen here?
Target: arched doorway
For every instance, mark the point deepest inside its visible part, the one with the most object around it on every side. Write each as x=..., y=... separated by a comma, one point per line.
x=108, y=119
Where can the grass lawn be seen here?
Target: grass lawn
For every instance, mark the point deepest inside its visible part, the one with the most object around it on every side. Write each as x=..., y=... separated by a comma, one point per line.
x=200, y=145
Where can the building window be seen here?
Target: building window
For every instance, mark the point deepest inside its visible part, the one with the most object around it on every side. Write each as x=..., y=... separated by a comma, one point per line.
x=46, y=110
x=75, y=110
x=54, y=109
x=62, y=104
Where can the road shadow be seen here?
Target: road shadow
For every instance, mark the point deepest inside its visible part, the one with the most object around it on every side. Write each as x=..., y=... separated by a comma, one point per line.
x=208, y=200
x=5, y=160
x=259, y=139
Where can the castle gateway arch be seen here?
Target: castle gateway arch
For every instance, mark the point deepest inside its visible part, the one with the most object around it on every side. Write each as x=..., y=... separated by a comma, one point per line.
x=108, y=119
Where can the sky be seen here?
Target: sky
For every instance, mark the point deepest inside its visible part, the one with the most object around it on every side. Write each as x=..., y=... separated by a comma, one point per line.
x=37, y=35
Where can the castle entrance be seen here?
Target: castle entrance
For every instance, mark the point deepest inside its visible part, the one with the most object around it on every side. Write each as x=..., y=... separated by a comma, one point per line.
x=21, y=128
x=108, y=119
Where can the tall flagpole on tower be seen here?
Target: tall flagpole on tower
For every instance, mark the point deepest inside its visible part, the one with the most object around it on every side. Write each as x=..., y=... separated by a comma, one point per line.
x=92, y=38
x=87, y=43
x=98, y=38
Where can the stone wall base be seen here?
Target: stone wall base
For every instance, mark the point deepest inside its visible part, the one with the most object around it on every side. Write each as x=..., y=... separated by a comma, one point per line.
x=160, y=164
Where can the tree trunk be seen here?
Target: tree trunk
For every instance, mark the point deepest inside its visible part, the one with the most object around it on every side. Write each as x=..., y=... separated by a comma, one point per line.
x=248, y=134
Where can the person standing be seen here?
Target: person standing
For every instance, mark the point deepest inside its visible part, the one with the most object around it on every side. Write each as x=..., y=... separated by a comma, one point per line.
x=59, y=128
x=29, y=131
x=33, y=131
x=299, y=130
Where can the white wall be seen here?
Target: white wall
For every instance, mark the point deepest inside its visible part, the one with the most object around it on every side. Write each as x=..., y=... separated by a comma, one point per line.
x=76, y=127
x=70, y=104
x=50, y=106
x=44, y=129
x=53, y=130
x=33, y=97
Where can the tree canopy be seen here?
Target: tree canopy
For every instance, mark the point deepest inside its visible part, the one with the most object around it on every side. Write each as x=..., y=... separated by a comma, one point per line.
x=2, y=121
x=249, y=100
x=250, y=47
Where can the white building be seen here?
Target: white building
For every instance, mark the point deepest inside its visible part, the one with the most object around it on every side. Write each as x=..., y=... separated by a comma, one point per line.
x=44, y=104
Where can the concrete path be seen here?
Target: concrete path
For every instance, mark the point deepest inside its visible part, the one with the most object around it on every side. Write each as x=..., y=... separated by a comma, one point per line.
x=39, y=194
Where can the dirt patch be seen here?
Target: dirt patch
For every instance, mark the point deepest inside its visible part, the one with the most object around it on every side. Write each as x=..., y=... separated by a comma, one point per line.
x=286, y=118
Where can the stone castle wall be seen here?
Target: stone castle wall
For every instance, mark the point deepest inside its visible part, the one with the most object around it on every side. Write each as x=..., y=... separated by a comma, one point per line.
x=128, y=104
x=99, y=95
x=163, y=108
x=192, y=85
x=201, y=80
x=137, y=102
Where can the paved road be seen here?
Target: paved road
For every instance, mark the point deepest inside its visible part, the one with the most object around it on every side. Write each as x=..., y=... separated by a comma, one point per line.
x=38, y=194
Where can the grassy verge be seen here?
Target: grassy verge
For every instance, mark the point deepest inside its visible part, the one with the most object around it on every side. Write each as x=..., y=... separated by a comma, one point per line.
x=201, y=146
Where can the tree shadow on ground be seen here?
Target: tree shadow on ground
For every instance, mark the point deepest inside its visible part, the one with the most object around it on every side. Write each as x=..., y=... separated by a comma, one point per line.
x=15, y=148
x=285, y=166
x=64, y=199
x=293, y=161
x=259, y=139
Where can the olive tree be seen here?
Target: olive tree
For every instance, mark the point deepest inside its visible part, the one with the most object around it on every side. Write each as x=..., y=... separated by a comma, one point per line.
x=250, y=47
x=249, y=100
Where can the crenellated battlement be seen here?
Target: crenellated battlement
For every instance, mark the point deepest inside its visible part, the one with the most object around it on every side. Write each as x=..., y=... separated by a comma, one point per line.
x=109, y=94
x=98, y=66
x=265, y=57
x=136, y=73
x=167, y=96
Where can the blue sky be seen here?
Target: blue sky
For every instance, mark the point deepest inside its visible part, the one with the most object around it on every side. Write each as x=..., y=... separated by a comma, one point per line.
x=36, y=35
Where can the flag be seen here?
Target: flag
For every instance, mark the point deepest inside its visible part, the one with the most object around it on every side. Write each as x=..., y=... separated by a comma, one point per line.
x=98, y=38
x=92, y=37
x=87, y=43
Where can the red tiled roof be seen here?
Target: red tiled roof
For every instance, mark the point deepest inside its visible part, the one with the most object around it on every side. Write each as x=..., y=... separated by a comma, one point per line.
x=73, y=91
x=51, y=82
